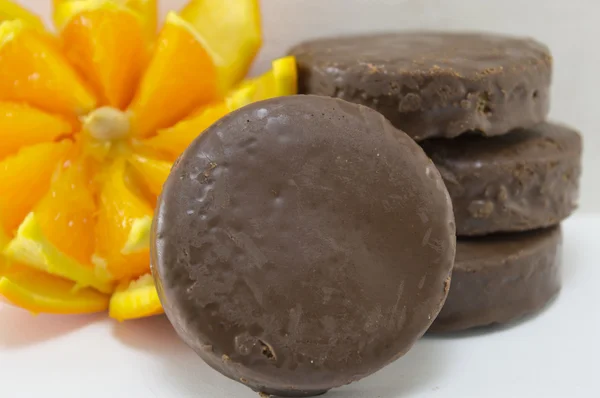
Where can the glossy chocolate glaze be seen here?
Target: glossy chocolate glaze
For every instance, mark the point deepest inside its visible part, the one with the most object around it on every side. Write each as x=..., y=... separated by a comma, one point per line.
x=302, y=243
x=524, y=180
x=498, y=279
x=434, y=84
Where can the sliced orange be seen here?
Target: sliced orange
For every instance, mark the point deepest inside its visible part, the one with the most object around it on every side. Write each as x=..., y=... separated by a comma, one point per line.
x=66, y=214
x=90, y=123
x=136, y=299
x=105, y=42
x=147, y=11
x=39, y=292
x=10, y=10
x=32, y=248
x=280, y=81
x=33, y=70
x=22, y=125
x=180, y=77
x=25, y=178
x=236, y=41
x=154, y=172
x=122, y=246
x=173, y=141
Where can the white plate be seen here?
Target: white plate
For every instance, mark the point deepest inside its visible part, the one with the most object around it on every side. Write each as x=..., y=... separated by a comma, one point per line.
x=555, y=354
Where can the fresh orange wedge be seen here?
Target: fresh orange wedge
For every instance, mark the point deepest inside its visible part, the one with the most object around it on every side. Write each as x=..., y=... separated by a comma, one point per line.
x=122, y=211
x=136, y=299
x=34, y=249
x=68, y=210
x=183, y=81
x=146, y=10
x=39, y=292
x=237, y=40
x=281, y=80
x=90, y=123
x=105, y=41
x=154, y=172
x=34, y=71
x=22, y=125
x=25, y=178
x=173, y=140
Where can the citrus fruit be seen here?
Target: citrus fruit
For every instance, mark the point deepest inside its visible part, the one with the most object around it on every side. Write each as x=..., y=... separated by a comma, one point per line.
x=92, y=117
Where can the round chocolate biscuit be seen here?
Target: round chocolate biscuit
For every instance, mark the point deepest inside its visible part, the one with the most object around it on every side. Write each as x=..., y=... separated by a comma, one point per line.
x=499, y=279
x=524, y=180
x=302, y=243
x=434, y=84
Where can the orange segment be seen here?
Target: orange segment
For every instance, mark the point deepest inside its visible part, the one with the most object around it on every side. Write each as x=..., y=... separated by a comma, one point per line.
x=33, y=70
x=22, y=125
x=154, y=172
x=11, y=10
x=230, y=29
x=39, y=292
x=66, y=214
x=180, y=77
x=147, y=10
x=105, y=42
x=31, y=247
x=121, y=212
x=136, y=299
x=25, y=179
x=280, y=81
x=173, y=141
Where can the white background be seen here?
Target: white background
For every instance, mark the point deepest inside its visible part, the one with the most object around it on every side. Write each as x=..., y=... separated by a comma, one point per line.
x=571, y=28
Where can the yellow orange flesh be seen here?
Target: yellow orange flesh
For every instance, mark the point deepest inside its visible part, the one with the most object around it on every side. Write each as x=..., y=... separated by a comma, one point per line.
x=107, y=46
x=237, y=40
x=39, y=292
x=25, y=178
x=33, y=70
x=136, y=299
x=146, y=10
x=66, y=213
x=22, y=125
x=153, y=172
x=179, y=77
x=120, y=207
x=173, y=141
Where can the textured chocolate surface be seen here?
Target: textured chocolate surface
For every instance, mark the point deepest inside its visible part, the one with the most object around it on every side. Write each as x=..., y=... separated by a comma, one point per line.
x=521, y=181
x=434, y=84
x=302, y=243
x=498, y=279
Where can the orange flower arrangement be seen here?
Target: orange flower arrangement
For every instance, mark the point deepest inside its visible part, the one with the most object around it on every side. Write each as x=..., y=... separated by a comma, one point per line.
x=91, y=120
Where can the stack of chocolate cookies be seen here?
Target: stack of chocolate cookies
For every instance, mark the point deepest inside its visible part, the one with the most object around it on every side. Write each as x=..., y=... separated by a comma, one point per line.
x=477, y=104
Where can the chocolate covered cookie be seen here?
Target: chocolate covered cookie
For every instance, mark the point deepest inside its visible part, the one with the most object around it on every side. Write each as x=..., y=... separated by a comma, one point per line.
x=434, y=84
x=302, y=243
x=521, y=181
x=498, y=279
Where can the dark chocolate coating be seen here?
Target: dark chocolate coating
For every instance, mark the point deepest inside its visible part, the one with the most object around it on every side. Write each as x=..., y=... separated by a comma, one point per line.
x=498, y=279
x=302, y=243
x=434, y=84
x=524, y=180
